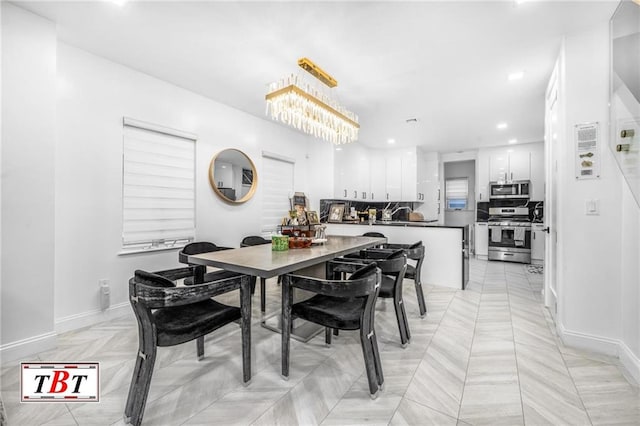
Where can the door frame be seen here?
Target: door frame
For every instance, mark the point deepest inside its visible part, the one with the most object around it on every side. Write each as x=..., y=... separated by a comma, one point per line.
x=551, y=147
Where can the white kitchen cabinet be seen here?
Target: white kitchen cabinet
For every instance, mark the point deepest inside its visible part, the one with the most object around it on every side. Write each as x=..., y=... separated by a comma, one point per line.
x=536, y=190
x=537, y=243
x=428, y=184
x=509, y=164
x=340, y=168
x=351, y=173
x=377, y=176
x=482, y=240
x=393, y=172
x=361, y=176
x=409, y=175
x=482, y=178
x=520, y=165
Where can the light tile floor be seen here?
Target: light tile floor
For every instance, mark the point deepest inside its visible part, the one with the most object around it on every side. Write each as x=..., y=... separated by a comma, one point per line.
x=486, y=355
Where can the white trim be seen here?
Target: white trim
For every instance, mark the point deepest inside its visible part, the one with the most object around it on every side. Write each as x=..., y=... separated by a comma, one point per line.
x=132, y=122
x=630, y=362
x=22, y=349
x=590, y=342
x=602, y=345
x=85, y=319
x=274, y=156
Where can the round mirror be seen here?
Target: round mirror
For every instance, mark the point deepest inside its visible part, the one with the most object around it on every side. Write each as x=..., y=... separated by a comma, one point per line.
x=233, y=176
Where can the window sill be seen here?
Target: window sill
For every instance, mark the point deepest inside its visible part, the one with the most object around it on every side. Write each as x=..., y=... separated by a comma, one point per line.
x=125, y=252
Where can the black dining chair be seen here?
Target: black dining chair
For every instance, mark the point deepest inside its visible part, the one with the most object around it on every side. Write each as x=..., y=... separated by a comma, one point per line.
x=206, y=247
x=255, y=240
x=170, y=315
x=337, y=304
x=415, y=252
x=393, y=265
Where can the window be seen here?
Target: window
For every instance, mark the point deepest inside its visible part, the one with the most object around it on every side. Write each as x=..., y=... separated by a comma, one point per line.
x=158, y=187
x=457, y=191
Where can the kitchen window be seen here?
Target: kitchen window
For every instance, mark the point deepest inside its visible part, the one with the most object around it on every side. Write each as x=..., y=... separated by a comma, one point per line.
x=158, y=187
x=457, y=193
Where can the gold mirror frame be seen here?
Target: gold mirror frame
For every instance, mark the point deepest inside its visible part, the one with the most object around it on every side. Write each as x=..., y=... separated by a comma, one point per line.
x=214, y=183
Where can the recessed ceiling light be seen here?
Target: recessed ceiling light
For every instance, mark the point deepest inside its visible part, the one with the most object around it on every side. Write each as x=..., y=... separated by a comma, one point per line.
x=338, y=149
x=119, y=2
x=512, y=141
x=501, y=126
x=516, y=75
x=391, y=141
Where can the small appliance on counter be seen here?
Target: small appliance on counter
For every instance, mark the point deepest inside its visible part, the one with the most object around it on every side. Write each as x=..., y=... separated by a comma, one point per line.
x=416, y=217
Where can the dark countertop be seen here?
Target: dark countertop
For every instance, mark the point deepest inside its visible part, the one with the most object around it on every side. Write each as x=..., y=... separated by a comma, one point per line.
x=418, y=224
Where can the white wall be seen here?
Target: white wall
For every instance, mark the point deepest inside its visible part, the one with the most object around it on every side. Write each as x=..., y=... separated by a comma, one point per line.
x=28, y=145
x=95, y=94
x=62, y=175
x=630, y=291
x=598, y=278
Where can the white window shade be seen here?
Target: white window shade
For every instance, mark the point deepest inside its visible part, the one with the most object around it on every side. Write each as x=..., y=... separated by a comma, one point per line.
x=457, y=192
x=158, y=192
x=277, y=184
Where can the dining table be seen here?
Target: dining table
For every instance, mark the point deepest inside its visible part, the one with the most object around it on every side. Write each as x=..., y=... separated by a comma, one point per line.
x=261, y=261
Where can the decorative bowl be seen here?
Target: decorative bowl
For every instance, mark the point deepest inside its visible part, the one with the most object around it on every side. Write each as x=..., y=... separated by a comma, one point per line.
x=300, y=242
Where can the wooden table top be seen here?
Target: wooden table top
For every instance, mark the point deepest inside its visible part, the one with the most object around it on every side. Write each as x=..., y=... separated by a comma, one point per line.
x=263, y=262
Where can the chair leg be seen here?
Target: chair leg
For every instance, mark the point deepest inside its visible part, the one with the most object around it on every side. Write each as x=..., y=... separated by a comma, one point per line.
x=369, y=363
x=421, y=304
x=245, y=324
x=327, y=335
x=376, y=357
x=401, y=317
x=287, y=301
x=336, y=331
x=263, y=295
x=200, y=347
x=139, y=388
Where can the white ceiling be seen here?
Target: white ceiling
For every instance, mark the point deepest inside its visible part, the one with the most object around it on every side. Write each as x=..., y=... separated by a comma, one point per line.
x=443, y=63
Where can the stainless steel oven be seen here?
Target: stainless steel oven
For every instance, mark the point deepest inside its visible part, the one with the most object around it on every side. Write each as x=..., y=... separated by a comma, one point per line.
x=515, y=189
x=510, y=234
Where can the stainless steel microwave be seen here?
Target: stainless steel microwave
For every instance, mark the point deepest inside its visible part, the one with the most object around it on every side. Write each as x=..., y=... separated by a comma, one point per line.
x=513, y=189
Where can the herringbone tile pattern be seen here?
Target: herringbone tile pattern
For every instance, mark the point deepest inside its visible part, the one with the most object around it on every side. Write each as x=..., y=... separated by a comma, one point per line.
x=486, y=355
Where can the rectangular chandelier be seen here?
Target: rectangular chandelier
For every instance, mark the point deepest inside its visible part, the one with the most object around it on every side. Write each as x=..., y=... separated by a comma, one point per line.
x=299, y=104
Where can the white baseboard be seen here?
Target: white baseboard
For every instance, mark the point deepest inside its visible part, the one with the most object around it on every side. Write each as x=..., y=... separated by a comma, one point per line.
x=630, y=362
x=602, y=345
x=23, y=349
x=85, y=319
x=606, y=346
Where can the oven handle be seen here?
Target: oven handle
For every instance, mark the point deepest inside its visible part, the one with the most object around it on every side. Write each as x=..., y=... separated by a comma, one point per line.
x=510, y=228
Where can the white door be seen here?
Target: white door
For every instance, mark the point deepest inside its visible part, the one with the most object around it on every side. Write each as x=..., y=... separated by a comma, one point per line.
x=551, y=194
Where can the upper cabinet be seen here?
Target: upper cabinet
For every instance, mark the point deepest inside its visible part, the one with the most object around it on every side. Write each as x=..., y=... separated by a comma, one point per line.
x=351, y=173
x=377, y=176
x=537, y=172
x=482, y=178
x=506, y=165
x=429, y=184
x=406, y=174
x=517, y=162
x=393, y=172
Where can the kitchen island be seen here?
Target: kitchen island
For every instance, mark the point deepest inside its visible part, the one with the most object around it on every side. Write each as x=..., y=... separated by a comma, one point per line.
x=446, y=261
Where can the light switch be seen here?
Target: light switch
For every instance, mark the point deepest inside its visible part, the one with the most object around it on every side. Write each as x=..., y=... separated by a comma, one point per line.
x=592, y=207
